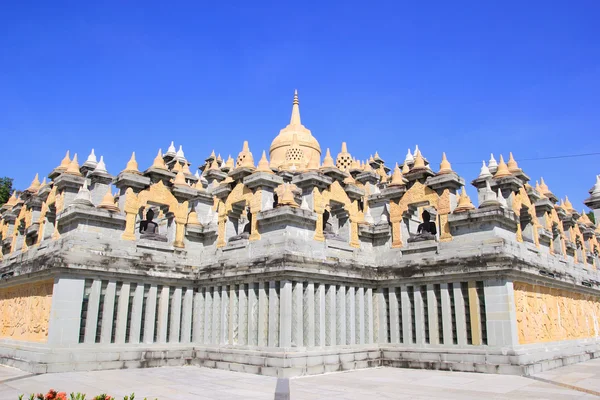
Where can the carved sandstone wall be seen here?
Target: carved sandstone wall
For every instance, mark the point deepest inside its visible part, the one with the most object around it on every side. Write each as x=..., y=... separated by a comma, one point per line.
x=546, y=314
x=25, y=311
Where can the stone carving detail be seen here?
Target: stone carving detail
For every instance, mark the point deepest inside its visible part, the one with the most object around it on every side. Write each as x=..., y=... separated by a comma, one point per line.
x=416, y=194
x=546, y=314
x=25, y=311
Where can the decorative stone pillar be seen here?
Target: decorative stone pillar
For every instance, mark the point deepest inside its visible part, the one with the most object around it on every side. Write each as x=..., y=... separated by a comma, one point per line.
x=65, y=313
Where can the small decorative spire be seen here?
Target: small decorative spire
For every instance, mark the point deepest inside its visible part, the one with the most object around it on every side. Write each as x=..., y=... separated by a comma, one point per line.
x=91, y=160
x=263, y=164
x=219, y=159
x=214, y=165
x=464, y=203
x=409, y=159
x=212, y=154
x=501, y=199
x=285, y=195
x=180, y=179
x=35, y=184
x=397, y=178
x=543, y=187
x=180, y=154
x=371, y=159
x=295, y=119
x=328, y=160
x=568, y=205
x=64, y=164
x=355, y=164
x=512, y=164
x=12, y=200
x=73, y=168
x=43, y=183
x=229, y=163
x=343, y=160
x=132, y=165
x=419, y=161
x=368, y=167
x=502, y=170
x=245, y=158
x=177, y=167
x=376, y=157
x=584, y=219
x=193, y=218
x=596, y=190
x=492, y=164
x=405, y=168
x=445, y=167
x=416, y=150
x=84, y=197
x=349, y=180
x=101, y=167
x=197, y=174
x=108, y=202
x=485, y=172
x=186, y=169
x=171, y=150
x=159, y=162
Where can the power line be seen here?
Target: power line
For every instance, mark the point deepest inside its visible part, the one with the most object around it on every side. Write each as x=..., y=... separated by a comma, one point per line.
x=538, y=158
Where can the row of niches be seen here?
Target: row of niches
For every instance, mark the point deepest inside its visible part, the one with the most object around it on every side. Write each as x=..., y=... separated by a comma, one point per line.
x=354, y=205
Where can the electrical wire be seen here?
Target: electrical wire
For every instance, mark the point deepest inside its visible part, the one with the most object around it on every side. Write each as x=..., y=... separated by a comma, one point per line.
x=537, y=158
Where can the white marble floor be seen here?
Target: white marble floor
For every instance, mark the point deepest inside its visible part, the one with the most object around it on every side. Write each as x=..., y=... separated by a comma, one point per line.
x=177, y=383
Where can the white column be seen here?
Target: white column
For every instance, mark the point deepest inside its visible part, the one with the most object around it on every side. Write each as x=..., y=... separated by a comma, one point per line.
x=298, y=314
x=500, y=313
x=419, y=316
x=122, y=311
x=459, y=308
x=433, y=315
x=341, y=314
x=330, y=314
x=320, y=319
x=216, y=315
x=65, y=312
x=242, y=315
x=394, y=322
x=163, y=314
x=186, y=317
x=381, y=311
x=108, y=312
x=91, y=322
x=233, y=314
x=370, y=334
x=199, y=322
x=136, y=314
x=361, y=315
x=285, y=314
x=174, y=326
x=350, y=315
x=263, y=315
x=273, y=337
x=224, y=315
x=446, y=314
x=208, y=315
x=253, y=325
x=310, y=306
x=150, y=316
x=406, y=315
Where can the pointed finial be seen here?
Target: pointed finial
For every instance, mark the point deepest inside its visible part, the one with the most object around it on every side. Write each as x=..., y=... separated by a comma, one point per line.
x=568, y=205
x=245, y=158
x=397, y=178
x=409, y=158
x=101, y=167
x=295, y=119
x=502, y=170
x=376, y=157
x=445, y=167
x=544, y=188
x=159, y=162
x=132, y=165
x=485, y=172
x=35, y=184
x=229, y=163
x=64, y=164
x=180, y=154
x=84, y=197
x=186, y=169
x=108, y=202
x=492, y=164
x=73, y=168
x=219, y=159
x=197, y=174
x=596, y=190
x=263, y=164
x=512, y=164
x=501, y=199
x=214, y=165
x=91, y=159
x=180, y=179
x=12, y=200
x=212, y=154
x=43, y=183
x=328, y=160
x=419, y=161
x=405, y=168
x=344, y=148
x=177, y=167
x=171, y=150
x=464, y=203
x=416, y=150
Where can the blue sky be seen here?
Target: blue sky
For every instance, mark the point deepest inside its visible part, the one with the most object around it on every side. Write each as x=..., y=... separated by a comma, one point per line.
x=468, y=78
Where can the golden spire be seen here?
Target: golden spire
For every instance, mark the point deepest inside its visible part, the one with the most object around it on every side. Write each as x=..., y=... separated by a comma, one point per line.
x=328, y=160
x=177, y=167
x=108, y=202
x=212, y=154
x=263, y=164
x=371, y=159
x=584, y=219
x=132, y=165
x=186, y=169
x=285, y=195
x=214, y=165
x=368, y=167
x=502, y=170
x=568, y=205
x=405, y=168
x=64, y=164
x=512, y=164
x=219, y=159
x=295, y=119
x=355, y=164
x=445, y=167
x=376, y=157
x=245, y=158
x=349, y=180
x=73, y=168
x=12, y=200
x=419, y=161
x=35, y=184
x=193, y=217
x=464, y=203
x=344, y=159
x=229, y=162
x=43, y=183
x=543, y=187
x=397, y=179
x=159, y=162
x=180, y=179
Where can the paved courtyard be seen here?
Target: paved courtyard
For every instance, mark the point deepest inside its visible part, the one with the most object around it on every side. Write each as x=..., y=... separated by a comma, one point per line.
x=581, y=381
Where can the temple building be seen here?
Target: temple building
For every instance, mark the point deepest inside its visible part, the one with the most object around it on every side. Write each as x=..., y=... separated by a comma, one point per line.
x=302, y=262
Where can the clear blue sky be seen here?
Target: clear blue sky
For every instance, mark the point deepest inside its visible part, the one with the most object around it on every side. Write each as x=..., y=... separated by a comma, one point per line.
x=467, y=78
